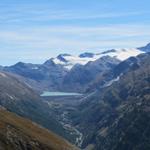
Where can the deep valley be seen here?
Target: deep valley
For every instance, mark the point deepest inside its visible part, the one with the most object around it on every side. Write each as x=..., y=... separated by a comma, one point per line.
x=100, y=105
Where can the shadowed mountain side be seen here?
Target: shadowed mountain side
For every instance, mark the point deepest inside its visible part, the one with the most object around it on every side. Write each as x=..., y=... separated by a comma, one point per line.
x=117, y=116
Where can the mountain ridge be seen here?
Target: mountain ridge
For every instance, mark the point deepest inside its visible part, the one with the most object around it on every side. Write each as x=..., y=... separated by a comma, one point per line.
x=52, y=74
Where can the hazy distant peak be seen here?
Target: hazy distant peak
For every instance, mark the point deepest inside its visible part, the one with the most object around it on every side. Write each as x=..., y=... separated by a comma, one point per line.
x=61, y=57
x=86, y=54
x=145, y=48
x=108, y=51
x=49, y=62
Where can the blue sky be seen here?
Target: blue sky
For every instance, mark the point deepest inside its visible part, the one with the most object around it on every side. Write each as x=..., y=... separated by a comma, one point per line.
x=35, y=30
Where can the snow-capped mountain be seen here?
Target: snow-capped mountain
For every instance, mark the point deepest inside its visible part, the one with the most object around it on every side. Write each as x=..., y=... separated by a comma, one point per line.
x=145, y=48
x=68, y=61
x=64, y=71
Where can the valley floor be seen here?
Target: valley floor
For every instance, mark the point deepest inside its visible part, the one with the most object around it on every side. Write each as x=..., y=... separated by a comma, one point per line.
x=62, y=106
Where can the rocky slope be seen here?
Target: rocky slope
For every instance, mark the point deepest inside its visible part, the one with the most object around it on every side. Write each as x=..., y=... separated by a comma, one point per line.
x=22, y=100
x=117, y=116
x=17, y=133
x=40, y=77
x=113, y=74
x=81, y=75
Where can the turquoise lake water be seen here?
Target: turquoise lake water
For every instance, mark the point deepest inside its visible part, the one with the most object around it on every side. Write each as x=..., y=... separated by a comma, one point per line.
x=46, y=93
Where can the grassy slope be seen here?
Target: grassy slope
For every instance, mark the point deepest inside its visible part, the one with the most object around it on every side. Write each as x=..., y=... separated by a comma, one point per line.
x=16, y=132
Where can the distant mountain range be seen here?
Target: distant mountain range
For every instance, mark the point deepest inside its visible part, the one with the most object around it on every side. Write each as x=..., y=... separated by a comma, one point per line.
x=68, y=61
x=64, y=71
x=112, y=114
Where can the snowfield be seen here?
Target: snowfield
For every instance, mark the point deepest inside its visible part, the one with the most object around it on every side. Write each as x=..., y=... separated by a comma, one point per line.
x=68, y=61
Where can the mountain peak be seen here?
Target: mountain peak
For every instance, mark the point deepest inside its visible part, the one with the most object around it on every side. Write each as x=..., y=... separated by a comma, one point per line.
x=145, y=48
x=109, y=51
x=20, y=64
x=86, y=54
x=49, y=62
x=61, y=57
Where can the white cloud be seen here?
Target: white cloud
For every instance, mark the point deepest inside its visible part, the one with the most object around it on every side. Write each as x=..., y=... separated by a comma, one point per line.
x=38, y=44
x=51, y=36
x=42, y=13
